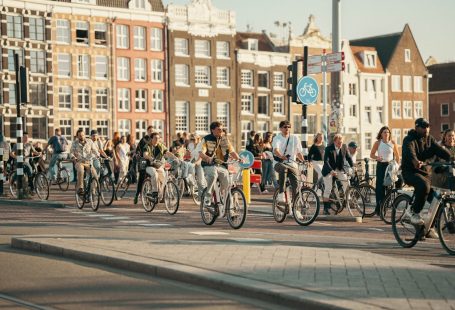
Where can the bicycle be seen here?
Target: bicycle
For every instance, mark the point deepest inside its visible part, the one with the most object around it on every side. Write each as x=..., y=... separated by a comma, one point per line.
x=364, y=184
x=91, y=190
x=440, y=215
x=123, y=187
x=167, y=191
x=308, y=88
x=107, y=187
x=63, y=176
x=231, y=204
x=305, y=204
x=38, y=179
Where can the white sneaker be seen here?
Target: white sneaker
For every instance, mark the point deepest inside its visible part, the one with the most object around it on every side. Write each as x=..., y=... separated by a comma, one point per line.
x=298, y=214
x=432, y=234
x=265, y=191
x=417, y=220
x=280, y=197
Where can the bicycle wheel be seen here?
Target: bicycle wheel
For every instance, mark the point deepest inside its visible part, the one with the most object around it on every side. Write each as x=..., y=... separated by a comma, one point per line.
x=94, y=195
x=41, y=185
x=181, y=187
x=386, y=206
x=209, y=212
x=122, y=188
x=236, y=208
x=13, y=185
x=63, y=179
x=355, y=202
x=107, y=190
x=194, y=189
x=405, y=233
x=446, y=225
x=171, y=197
x=279, y=211
x=80, y=199
x=148, y=202
x=335, y=205
x=306, y=207
x=369, y=196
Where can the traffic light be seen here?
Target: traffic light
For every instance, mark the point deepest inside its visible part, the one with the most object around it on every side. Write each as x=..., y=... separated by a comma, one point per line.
x=23, y=82
x=292, y=80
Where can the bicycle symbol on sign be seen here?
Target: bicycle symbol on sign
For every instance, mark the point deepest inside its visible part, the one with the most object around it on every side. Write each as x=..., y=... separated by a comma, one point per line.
x=307, y=89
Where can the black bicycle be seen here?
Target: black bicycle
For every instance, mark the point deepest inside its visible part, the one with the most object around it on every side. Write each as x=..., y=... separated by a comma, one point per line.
x=38, y=183
x=91, y=191
x=107, y=187
x=124, y=188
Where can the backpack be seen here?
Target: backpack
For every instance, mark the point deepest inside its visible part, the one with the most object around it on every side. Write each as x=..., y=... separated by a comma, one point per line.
x=391, y=174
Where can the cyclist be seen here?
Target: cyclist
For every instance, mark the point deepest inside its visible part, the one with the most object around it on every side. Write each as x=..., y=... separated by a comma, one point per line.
x=216, y=149
x=419, y=146
x=28, y=151
x=139, y=152
x=83, y=151
x=6, y=150
x=59, y=145
x=335, y=156
x=286, y=148
x=98, y=145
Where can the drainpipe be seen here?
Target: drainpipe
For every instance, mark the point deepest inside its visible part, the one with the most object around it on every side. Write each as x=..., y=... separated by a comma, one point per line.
x=167, y=54
x=113, y=79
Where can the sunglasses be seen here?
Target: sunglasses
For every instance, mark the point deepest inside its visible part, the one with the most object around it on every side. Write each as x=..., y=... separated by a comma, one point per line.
x=286, y=127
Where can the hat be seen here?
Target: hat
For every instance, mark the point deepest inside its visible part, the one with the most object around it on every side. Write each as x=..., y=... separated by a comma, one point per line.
x=353, y=144
x=94, y=132
x=421, y=122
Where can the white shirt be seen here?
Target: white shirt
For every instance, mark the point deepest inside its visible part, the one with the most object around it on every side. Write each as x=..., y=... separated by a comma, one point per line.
x=385, y=150
x=293, y=147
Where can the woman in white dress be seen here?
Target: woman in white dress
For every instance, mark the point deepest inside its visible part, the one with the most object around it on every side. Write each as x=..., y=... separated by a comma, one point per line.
x=123, y=150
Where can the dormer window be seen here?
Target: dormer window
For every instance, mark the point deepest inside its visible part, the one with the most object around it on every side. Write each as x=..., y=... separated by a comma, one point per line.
x=370, y=60
x=253, y=44
x=139, y=4
x=407, y=55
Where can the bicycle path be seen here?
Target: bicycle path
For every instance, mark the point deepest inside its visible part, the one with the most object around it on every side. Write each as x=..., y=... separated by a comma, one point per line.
x=297, y=276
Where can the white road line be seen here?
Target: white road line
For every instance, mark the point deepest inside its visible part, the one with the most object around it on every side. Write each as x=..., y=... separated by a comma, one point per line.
x=98, y=214
x=322, y=223
x=376, y=229
x=135, y=222
x=155, y=225
x=113, y=218
x=209, y=233
x=250, y=240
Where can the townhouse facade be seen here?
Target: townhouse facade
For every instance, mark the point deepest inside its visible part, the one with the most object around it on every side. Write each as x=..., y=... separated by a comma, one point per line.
x=26, y=31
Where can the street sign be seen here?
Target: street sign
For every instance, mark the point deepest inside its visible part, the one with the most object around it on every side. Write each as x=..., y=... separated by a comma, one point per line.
x=335, y=67
x=316, y=59
x=334, y=57
x=307, y=90
x=314, y=69
x=247, y=159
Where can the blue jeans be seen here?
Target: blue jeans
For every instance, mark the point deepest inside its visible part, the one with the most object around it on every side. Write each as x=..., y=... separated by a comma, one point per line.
x=53, y=164
x=268, y=174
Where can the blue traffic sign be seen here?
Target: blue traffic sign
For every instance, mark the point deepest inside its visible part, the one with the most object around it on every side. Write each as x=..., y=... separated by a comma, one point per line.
x=307, y=90
x=247, y=159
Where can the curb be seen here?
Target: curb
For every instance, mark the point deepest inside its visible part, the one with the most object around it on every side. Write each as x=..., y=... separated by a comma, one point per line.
x=31, y=203
x=268, y=292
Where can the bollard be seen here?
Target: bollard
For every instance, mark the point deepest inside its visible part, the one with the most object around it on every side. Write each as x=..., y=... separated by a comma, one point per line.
x=1, y=171
x=246, y=185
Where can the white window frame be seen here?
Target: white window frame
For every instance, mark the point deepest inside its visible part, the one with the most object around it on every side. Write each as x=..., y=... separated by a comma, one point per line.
x=85, y=125
x=396, y=135
x=157, y=100
x=139, y=41
x=252, y=44
x=407, y=55
x=140, y=70
x=123, y=69
x=222, y=109
x=141, y=128
x=181, y=116
x=156, y=39
x=246, y=128
x=17, y=31
x=157, y=70
x=267, y=105
x=247, y=103
x=268, y=79
x=66, y=127
x=124, y=99
x=102, y=126
x=182, y=75
x=380, y=113
x=418, y=84
x=445, y=126
x=246, y=78
x=222, y=49
x=444, y=104
x=407, y=83
x=368, y=116
x=38, y=62
x=222, y=77
x=100, y=30
x=63, y=31
x=101, y=67
x=278, y=105
x=63, y=61
x=83, y=66
x=278, y=80
x=370, y=60
x=84, y=93
x=102, y=99
x=181, y=47
x=202, y=48
x=122, y=36
x=407, y=109
x=202, y=76
x=158, y=126
x=368, y=140
x=396, y=83
x=140, y=100
x=84, y=26
x=396, y=109
x=418, y=109
x=65, y=92
x=202, y=117
x=37, y=28
x=124, y=127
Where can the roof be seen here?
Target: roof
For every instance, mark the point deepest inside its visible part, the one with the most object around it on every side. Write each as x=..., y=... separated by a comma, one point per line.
x=385, y=45
x=357, y=50
x=443, y=76
x=264, y=43
x=157, y=5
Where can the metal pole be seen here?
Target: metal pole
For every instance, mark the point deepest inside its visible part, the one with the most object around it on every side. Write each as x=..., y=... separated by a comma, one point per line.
x=1, y=171
x=19, y=133
x=335, y=76
x=324, y=97
x=304, y=106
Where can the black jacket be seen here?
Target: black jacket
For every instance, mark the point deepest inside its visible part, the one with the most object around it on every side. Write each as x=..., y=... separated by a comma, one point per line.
x=420, y=149
x=333, y=162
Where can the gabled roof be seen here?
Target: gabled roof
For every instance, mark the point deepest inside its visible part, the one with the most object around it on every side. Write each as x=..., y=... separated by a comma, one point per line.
x=443, y=76
x=385, y=45
x=157, y=5
x=357, y=50
x=264, y=43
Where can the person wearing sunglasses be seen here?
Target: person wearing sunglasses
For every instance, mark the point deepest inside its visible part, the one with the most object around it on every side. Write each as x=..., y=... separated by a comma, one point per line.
x=286, y=148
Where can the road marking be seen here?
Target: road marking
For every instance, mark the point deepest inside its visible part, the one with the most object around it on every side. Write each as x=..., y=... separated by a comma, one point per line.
x=135, y=222
x=155, y=225
x=321, y=223
x=376, y=229
x=113, y=218
x=250, y=240
x=209, y=233
x=98, y=215
x=22, y=302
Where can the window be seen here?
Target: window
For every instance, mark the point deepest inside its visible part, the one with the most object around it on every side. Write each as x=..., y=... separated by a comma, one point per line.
x=139, y=38
x=139, y=4
x=202, y=74
x=83, y=66
x=405, y=132
x=101, y=34
x=263, y=79
x=101, y=99
x=396, y=83
x=13, y=126
x=156, y=39
x=63, y=31
x=370, y=60
x=222, y=49
x=11, y=53
x=82, y=34
x=141, y=100
x=262, y=127
x=14, y=26
x=36, y=28
x=181, y=116
x=246, y=127
x=157, y=70
x=407, y=55
x=83, y=99
x=444, y=109
x=396, y=135
x=157, y=100
x=407, y=83
x=278, y=80
x=252, y=44
x=141, y=129
x=368, y=140
x=65, y=93
x=124, y=127
x=123, y=69
x=123, y=38
x=407, y=109
x=379, y=110
x=140, y=73
x=64, y=65
x=181, y=47
x=39, y=128
x=263, y=104
x=101, y=67
x=66, y=126
x=158, y=126
x=38, y=94
x=12, y=93
x=396, y=109
x=123, y=95
x=418, y=84
x=353, y=110
x=444, y=126
x=38, y=61
x=222, y=109
x=102, y=126
x=246, y=78
x=202, y=117
x=368, y=114
x=182, y=75
x=278, y=104
x=85, y=125
x=312, y=124
x=418, y=109
x=247, y=103
x=222, y=77
x=352, y=89
x=202, y=48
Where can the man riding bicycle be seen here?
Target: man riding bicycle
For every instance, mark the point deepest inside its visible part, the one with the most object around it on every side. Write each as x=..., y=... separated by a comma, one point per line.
x=83, y=152
x=59, y=146
x=419, y=146
x=215, y=150
x=28, y=151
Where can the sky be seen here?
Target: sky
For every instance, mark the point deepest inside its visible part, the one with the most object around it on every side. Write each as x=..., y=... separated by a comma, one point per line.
x=432, y=22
